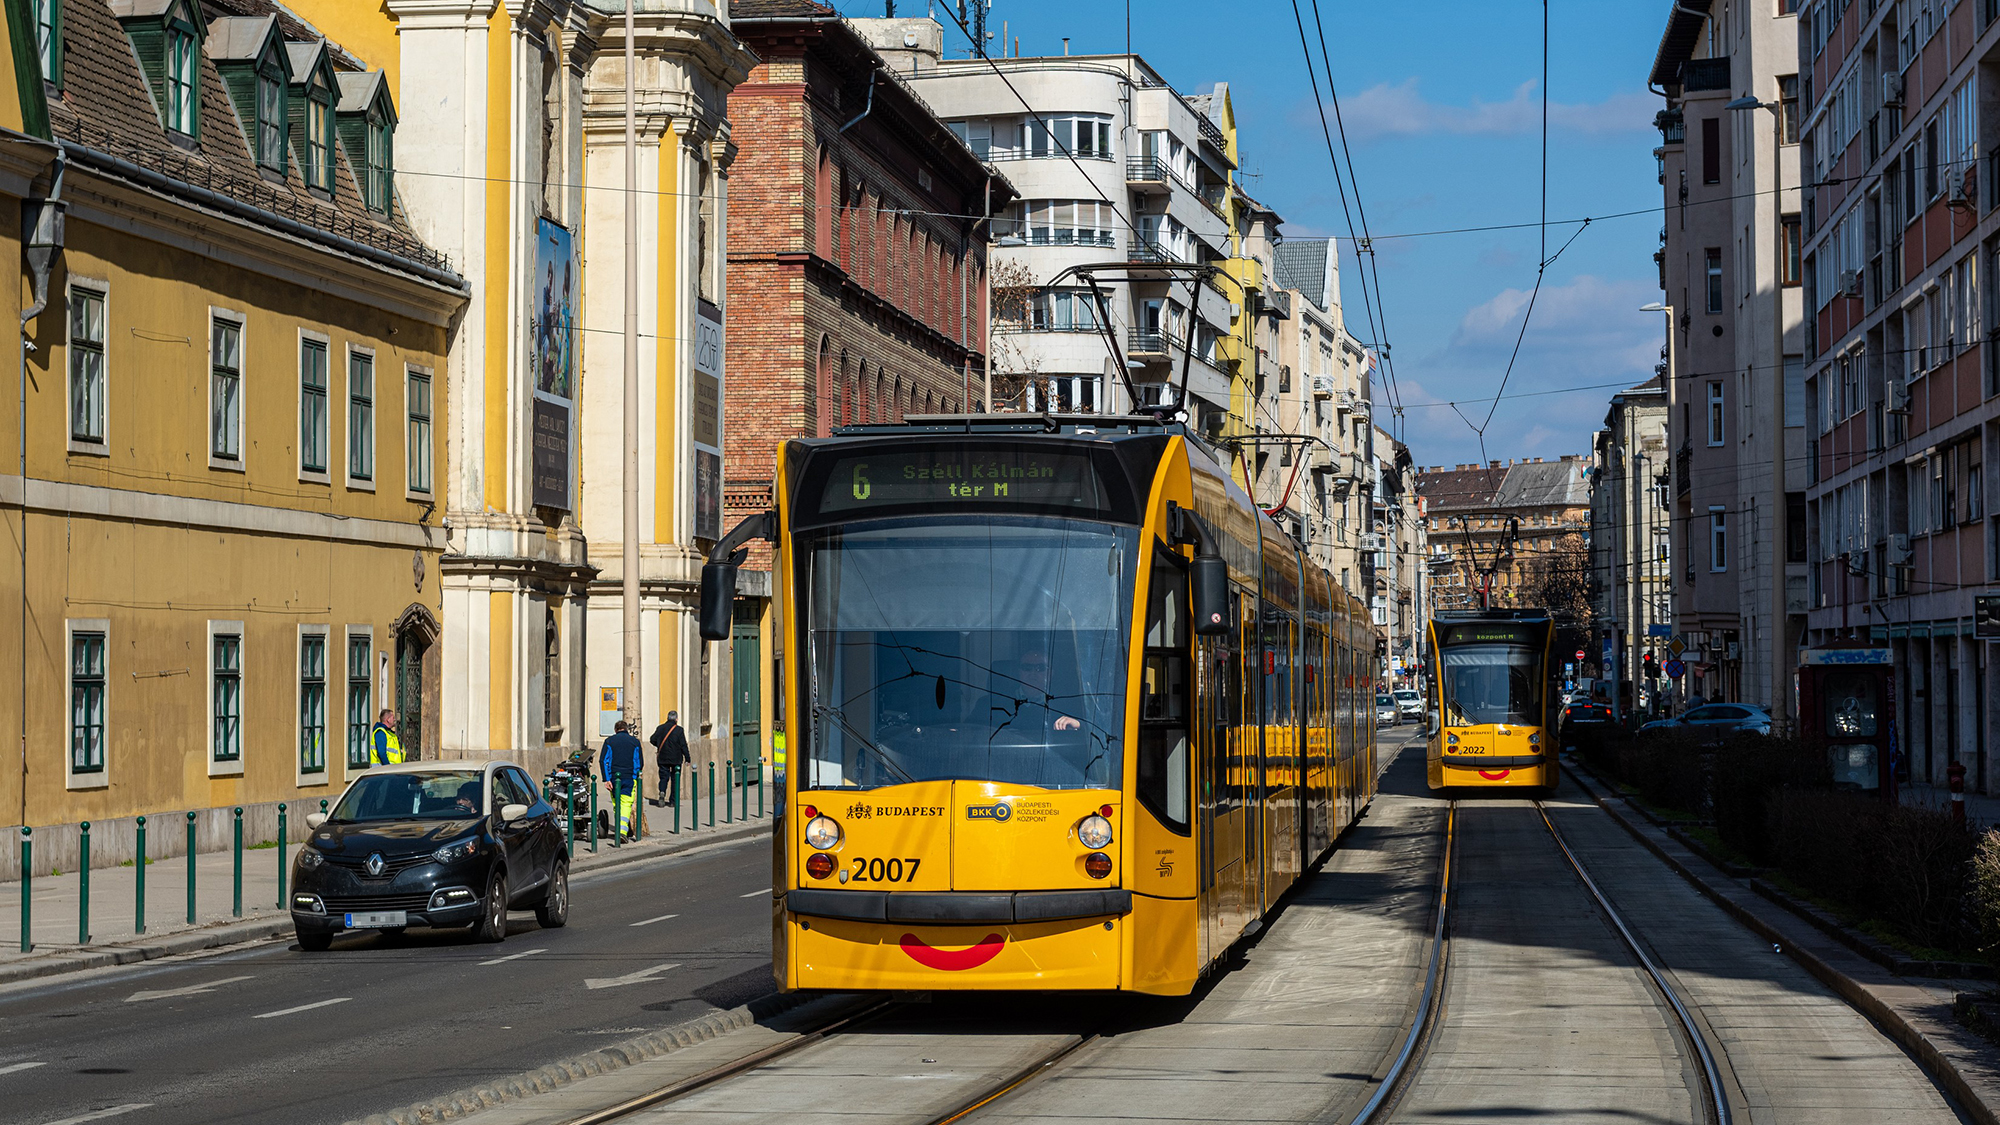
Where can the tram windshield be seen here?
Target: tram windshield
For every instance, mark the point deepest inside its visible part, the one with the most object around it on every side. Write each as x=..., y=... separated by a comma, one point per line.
x=1491, y=684
x=984, y=648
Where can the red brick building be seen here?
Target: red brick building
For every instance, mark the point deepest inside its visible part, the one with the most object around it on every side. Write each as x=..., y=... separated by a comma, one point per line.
x=857, y=254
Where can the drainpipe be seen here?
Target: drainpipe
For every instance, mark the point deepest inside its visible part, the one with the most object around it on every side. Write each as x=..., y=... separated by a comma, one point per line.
x=867, y=108
x=42, y=223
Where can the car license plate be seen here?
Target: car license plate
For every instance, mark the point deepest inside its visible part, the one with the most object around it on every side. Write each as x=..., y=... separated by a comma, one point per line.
x=378, y=919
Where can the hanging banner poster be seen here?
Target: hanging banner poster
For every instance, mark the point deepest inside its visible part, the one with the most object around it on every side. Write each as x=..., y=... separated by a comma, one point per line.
x=552, y=357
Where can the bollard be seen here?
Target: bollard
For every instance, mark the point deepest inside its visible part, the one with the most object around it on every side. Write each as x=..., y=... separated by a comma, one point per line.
x=593, y=816
x=83, y=886
x=190, y=844
x=674, y=791
x=139, y=882
x=728, y=790
x=711, y=794
x=760, y=789
x=236, y=894
x=282, y=867
x=322, y=806
x=569, y=818
x=27, y=887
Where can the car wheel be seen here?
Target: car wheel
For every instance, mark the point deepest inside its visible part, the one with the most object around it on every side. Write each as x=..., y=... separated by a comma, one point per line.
x=492, y=927
x=553, y=911
x=315, y=941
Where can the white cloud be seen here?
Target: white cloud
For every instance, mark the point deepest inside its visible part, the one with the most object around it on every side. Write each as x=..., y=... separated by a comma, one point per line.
x=1401, y=110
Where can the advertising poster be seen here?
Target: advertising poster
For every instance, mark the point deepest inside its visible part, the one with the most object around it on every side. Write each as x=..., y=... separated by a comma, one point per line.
x=556, y=282
x=707, y=422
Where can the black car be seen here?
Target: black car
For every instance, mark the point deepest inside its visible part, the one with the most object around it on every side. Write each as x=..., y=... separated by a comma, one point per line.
x=431, y=844
x=1586, y=722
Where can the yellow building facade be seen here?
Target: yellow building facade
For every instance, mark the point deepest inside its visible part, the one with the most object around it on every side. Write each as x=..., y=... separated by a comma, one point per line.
x=225, y=511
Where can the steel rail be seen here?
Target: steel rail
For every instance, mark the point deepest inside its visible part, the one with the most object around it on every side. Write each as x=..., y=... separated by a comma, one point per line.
x=1427, y=1004
x=1018, y=1079
x=1711, y=1074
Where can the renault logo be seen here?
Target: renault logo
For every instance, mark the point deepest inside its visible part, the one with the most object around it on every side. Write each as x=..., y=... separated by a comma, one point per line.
x=374, y=864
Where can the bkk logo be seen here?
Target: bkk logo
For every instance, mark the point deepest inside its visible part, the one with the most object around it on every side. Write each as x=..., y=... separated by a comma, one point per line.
x=998, y=810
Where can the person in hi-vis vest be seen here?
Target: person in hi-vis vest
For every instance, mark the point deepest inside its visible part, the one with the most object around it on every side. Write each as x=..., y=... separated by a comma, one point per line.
x=384, y=748
x=622, y=765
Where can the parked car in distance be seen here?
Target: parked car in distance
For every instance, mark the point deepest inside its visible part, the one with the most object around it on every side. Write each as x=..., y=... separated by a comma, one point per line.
x=1717, y=721
x=1586, y=722
x=1387, y=714
x=431, y=844
x=1409, y=703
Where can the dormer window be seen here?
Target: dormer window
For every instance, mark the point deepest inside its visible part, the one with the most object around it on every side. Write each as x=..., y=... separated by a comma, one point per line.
x=376, y=182
x=368, y=132
x=251, y=57
x=183, y=81
x=319, y=144
x=48, y=39
x=315, y=86
x=271, y=119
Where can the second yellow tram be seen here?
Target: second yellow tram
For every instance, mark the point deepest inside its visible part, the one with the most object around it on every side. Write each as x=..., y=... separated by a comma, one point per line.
x=1492, y=700
x=1066, y=710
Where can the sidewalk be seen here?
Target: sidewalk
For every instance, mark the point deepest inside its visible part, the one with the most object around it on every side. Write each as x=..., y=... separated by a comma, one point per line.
x=1916, y=1012
x=1981, y=811
x=113, y=937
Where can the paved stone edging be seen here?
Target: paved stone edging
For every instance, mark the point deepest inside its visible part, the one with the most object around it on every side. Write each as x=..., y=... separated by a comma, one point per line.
x=1935, y=1060
x=618, y=1056
x=276, y=926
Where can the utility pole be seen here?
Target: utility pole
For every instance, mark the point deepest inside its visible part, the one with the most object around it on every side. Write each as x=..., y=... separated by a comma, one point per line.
x=629, y=558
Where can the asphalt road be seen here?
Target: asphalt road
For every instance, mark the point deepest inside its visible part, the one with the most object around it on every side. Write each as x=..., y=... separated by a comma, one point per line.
x=274, y=1034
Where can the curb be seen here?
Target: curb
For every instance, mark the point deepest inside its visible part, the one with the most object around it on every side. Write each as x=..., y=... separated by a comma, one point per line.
x=605, y=1060
x=276, y=926
x=1934, y=1060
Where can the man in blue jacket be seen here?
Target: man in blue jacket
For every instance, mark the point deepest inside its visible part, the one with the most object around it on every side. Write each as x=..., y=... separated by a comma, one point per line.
x=622, y=764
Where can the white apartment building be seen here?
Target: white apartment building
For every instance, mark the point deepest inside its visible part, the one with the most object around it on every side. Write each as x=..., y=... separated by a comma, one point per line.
x=1630, y=533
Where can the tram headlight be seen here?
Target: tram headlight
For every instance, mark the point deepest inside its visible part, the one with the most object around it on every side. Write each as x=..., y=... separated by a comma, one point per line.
x=819, y=865
x=1451, y=740
x=1534, y=740
x=1094, y=832
x=822, y=832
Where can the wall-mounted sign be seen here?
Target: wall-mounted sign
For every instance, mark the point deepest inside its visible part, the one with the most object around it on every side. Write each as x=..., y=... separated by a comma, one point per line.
x=707, y=421
x=552, y=357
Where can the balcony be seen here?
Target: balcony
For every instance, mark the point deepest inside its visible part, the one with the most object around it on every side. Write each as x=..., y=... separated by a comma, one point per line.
x=1146, y=250
x=1705, y=74
x=1070, y=237
x=1683, y=464
x=1672, y=126
x=1146, y=346
x=1147, y=171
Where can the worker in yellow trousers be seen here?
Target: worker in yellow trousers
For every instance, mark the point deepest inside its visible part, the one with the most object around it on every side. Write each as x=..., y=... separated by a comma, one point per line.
x=623, y=764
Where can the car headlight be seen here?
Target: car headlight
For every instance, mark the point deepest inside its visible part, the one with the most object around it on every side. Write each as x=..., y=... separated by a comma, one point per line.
x=310, y=858
x=457, y=850
x=1094, y=832
x=822, y=832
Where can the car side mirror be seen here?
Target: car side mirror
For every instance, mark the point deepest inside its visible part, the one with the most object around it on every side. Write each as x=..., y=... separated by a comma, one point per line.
x=511, y=813
x=314, y=820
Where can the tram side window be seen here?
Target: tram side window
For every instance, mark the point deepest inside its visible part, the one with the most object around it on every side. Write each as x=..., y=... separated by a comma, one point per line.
x=1164, y=700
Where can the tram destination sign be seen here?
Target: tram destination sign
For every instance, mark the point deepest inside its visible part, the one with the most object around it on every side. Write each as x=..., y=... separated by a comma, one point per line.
x=961, y=477
x=1490, y=633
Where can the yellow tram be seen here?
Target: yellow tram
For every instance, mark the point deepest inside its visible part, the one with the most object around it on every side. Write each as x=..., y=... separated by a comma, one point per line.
x=1067, y=711
x=1492, y=699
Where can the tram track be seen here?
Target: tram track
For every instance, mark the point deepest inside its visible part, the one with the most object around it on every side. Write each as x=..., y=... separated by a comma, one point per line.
x=1404, y=1069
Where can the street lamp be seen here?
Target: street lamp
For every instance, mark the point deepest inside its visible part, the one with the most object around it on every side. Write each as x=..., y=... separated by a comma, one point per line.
x=1779, y=537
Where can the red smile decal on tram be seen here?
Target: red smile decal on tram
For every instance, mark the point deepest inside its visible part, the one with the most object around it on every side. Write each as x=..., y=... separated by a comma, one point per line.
x=953, y=960
x=1494, y=775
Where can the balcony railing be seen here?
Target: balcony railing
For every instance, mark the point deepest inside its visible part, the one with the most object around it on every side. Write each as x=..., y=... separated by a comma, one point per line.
x=1705, y=74
x=1672, y=126
x=1146, y=250
x=1046, y=237
x=1683, y=464
x=1141, y=342
x=1146, y=170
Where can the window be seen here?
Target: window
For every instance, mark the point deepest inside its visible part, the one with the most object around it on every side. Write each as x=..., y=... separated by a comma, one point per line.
x=1932, y=181
x=86, y=701
x=1067, y=222
x=1718, y=540
x=360, y=416
x=1715, y=414
x=86, y=365
x=312, y=702
x=271, y=119
x=312, y=406
x=225, y=680
x=183, y=81
x=1064, y=310
x=1965, y=293
x=1714, y=270
x=551, y=674
x=1711, y=150
x=1788, y=108
x=1791, y=261
x=1083, y=135
x=419, y=439
x=48, y=39
x=319, y=141
x=360, y=698
x=225, y=390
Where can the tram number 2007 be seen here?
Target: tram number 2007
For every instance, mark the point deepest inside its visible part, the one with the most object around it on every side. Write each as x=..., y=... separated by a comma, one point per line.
x=884, y=870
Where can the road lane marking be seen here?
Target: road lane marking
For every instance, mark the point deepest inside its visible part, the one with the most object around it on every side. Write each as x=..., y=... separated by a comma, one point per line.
x=661, y=918
x=100, y=1114
x=754, y=894
x=10, y=1069
x=190, y=990
x=514, y=956
x=303, y=1008
x=643, y=976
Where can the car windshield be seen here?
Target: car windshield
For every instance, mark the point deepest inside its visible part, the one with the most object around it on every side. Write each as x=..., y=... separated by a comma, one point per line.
x=1491, y=684
x=988, y=648
x=444, y=795
x=1385, y=701
x=1408, y=696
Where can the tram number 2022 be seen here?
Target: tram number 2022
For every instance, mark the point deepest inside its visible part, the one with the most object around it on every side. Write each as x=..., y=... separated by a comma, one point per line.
x=883, y=870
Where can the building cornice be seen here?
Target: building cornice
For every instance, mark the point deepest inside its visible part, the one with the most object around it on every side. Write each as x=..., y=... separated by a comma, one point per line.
x=65, y=498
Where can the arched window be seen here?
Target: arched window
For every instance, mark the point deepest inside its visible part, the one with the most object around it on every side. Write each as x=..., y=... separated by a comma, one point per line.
x=881, y=404
x=896, y=400
x=827, y=408
x=823, y=206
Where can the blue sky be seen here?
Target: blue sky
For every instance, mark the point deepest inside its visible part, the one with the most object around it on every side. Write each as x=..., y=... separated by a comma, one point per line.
x=1442, y=103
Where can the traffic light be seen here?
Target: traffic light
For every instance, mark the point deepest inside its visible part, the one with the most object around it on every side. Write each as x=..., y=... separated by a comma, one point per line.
x=1652, y=670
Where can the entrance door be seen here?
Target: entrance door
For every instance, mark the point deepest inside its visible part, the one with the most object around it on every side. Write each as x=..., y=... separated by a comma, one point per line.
x=746, y=725
x=410, y=692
